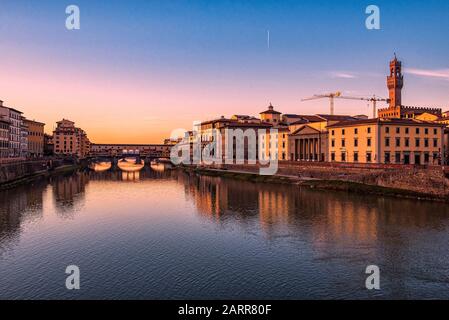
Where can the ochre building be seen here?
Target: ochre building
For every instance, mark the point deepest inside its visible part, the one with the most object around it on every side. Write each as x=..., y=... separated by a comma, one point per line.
x=399, y=141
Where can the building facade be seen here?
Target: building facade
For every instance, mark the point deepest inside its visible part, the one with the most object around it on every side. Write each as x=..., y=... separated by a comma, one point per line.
x=35, y=138
x=271, y=116
x=23, y=138
x=69, y=140
x=15, y=133
x=4, y=138
x=385, y=141
x=309, y=141
x=49, y=146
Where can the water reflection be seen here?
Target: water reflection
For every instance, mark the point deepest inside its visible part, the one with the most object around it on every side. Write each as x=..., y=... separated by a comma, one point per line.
x=300, y=234
x=332, y=215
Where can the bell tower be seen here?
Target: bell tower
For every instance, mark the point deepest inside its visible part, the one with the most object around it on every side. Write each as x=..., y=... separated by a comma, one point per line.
x=395, y=83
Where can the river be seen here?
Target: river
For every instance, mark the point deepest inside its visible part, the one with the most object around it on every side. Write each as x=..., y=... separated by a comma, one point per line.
x=171, y=235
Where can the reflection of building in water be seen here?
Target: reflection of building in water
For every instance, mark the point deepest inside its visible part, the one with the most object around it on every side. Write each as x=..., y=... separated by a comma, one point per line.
x=67, y=189
x=205, y=193
x=17, y=205
x=274, y=206
x=328, y=218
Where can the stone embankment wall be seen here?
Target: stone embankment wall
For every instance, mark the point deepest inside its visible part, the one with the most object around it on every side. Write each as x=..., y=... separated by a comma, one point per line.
x=430, y=180
x=11, y=171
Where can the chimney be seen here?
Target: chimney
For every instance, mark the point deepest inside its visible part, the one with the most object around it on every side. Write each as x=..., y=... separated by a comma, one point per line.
x=1, y=103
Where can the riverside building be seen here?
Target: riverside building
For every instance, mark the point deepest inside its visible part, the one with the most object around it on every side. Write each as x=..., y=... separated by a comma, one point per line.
x=35, y=138
x=385, y=141
x=69, y=140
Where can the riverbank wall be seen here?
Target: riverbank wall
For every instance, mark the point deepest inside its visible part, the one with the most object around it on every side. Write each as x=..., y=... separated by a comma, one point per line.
x=429, y=182
x=18, y=172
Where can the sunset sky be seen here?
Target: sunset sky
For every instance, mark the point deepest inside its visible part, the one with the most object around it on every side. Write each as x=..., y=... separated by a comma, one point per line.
x=138, y=69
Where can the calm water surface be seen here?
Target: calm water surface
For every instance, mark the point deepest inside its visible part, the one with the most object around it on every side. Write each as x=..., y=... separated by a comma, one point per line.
x=172, y=235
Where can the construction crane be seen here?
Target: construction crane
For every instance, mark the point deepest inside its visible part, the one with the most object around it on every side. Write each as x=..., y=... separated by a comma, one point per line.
x=373, y=99
x=331, y=97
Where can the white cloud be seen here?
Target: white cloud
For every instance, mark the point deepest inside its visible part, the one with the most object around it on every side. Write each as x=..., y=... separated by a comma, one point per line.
x=343, y=75
x=441, y=73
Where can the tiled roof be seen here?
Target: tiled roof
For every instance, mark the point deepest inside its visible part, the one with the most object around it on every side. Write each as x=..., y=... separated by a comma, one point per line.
x=330, y=117
x=271, y=112
x=308, y=118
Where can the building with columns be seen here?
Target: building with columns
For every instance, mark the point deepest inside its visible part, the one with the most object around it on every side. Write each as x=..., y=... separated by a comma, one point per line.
x=309, y=141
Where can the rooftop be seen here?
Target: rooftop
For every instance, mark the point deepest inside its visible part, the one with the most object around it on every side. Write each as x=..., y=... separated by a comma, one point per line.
x=411, y=122
x=270, y=110
x=330, y=117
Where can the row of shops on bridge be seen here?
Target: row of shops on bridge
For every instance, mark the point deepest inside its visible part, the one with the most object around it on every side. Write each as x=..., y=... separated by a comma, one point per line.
x=143, y=150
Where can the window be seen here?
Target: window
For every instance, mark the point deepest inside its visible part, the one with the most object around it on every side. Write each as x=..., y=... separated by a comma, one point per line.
x=387, y=129
x=342, y=132
x=343, y=157
x=343, y=143
x=333, y=143
x=356, y=157
x=387, y=157
x=398, y=130
x=356, y=131
x=333, y=156
x=397, y=157
x=417, y=142
x=369, y=129
x=407, y=142
x=435, y=131
x=398, y=142
x=426, y=131
x=368, y=157
x=368, y=142
x=435, y=143
x=426, y=158
x=387, y=142
x=435, y=157
x=333, y=132
x=356, y=142
x=417, y=130
x=426, y=143
x=406, y=130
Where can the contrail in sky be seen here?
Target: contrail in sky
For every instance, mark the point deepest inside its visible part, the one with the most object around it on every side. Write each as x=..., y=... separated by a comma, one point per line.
x=268, y=39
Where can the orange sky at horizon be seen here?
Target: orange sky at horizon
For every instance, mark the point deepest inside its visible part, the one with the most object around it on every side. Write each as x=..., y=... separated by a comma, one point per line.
x=136, y=71
x=120, y=106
